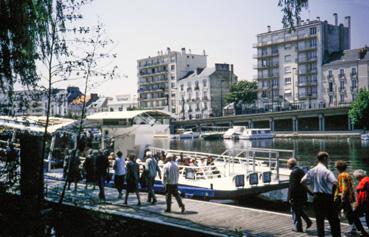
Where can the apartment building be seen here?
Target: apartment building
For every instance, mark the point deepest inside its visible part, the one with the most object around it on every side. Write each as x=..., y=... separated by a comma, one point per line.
x=34, y=103
x=158, y=76
x=344, y=75
x=122, y=102
x=201, y=94
x=289, y=63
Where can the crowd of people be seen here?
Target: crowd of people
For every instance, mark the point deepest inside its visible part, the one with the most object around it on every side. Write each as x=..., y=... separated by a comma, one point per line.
x=331, y=195
x=129, y=174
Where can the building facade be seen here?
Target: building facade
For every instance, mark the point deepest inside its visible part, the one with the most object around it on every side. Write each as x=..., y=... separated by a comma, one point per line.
x=158, y=76
x=201, y=94
x=34, y=103
x=344, y=76
x=289, y=63
x=122, y=102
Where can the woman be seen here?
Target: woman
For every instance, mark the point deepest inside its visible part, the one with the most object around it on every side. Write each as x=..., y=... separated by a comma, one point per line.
x=362, y=198
x=132, y=178
x=74, y=172
x=89, y=168
x=345, y=195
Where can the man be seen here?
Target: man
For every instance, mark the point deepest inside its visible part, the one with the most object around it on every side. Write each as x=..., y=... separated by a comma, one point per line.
x=170, y=180
x=119, y=172
x=132, y=178
x=102, y=165
x=362, y=198
x=297, y=196
x=323, y=182
x=152, y=169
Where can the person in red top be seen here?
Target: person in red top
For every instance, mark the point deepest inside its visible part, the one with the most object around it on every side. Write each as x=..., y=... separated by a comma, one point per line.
x=362, y=198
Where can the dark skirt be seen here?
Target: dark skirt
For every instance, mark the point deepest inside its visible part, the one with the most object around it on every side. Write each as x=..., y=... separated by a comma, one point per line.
x=119, y=181
x=132, y=185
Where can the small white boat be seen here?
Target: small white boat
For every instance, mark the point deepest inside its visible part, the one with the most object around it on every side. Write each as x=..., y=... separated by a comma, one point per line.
x=185, y=134
x=365, y=137
x=256, y=133
x=234, y=132
x=211, y=135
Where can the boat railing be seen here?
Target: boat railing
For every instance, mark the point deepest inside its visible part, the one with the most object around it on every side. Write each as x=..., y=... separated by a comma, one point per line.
x=234, y=161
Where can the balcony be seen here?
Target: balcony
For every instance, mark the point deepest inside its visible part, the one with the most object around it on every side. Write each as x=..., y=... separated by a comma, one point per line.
x=342, y=89
x=265, y=55
x=307, y=60
x=307, y=48
x=353, y=75
x=261, y=66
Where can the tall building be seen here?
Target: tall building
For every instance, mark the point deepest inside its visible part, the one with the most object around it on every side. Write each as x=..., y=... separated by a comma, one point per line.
x=344, y=75
x=289, y=63
x=158, y=76
x=201, y=94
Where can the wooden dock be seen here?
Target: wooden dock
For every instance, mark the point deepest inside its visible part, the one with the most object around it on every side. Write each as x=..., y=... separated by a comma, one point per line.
x=204, y=218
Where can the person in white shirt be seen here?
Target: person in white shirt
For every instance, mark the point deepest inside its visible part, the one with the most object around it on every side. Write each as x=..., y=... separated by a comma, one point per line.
x=170, y=180
x=119, y=172
x=323, y=182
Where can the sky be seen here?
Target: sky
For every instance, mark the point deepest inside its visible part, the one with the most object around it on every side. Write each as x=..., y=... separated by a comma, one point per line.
x=225, y=29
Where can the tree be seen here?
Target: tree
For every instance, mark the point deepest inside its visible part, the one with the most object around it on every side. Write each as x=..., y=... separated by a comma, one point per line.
x=359, y=109
x=291, y=11
x=242, y=91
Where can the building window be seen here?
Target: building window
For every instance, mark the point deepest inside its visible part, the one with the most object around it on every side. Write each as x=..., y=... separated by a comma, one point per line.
x=181, y=87
x=353, y=71
x=354, y=84
x=331, y=99
x=287, y=46
x=330, y=87
x=264, y=52
x=330, y=74
x=353, y=97
x=287, y=80
x=312, y=43
x=287, y=70
x=173, y=85
x=342, y=85
x=342, y=72
x=287, y=58
x=188, y=65
x=275, y=50
x=313, y=31
x=342, y=98
x=204, y=82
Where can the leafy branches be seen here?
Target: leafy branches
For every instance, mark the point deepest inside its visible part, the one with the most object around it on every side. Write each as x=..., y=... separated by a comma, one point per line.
x=242, y=91
x=291, y=11
x=359, y=110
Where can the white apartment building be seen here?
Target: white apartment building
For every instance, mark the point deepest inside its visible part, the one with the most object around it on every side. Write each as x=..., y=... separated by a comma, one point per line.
x=122, y=102
x=201, y=94
x=158, y=76
x=34, y=103
x=344, y=76
x=289, y=63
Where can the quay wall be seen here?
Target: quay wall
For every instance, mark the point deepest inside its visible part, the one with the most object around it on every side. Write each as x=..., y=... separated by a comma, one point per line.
x=71, y=220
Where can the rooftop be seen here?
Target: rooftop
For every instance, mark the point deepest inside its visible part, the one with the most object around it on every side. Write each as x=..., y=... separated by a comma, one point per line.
x=349, y=55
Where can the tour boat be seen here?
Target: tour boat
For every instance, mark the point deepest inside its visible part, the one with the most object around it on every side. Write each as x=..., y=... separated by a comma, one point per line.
x=234, y=132
x=233, y=174
x=255, y=133
x=185, y=134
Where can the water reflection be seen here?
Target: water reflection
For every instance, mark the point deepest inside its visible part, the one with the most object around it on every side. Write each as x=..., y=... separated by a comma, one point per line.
x=353, y=150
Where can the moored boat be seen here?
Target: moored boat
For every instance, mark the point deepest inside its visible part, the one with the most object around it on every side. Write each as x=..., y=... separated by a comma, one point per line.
x=256, y=133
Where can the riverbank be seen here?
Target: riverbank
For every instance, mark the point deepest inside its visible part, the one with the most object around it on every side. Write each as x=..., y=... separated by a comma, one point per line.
x=319, y=134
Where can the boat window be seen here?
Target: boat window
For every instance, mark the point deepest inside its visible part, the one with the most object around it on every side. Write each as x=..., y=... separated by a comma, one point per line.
x=253, y=132
x=189, y=173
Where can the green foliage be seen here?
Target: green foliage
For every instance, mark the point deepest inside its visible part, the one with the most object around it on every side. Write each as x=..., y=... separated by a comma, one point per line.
x=242, y=91
x=291, y=11
x=359, y=110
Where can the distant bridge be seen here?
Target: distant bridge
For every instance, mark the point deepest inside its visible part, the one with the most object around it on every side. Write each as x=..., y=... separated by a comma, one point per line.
x=323, y=119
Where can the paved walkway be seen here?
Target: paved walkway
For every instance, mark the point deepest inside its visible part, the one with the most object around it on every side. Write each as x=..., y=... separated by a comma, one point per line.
x=202, y=217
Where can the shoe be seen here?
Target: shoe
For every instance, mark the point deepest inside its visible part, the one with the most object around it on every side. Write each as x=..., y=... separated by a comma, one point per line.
x=166, y=210
x=139, y=204
x=308, y=225
x=300, y=231
x=183, y=209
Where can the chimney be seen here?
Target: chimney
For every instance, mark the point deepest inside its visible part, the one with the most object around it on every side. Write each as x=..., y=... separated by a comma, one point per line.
x=204, y=52
x=318, y=18
x=168, y=50
x=183, y=50
x=348, y=21
x=269, y=28
x=335, y=19
x=307, y=21
x=298, y=21
x=232, y=74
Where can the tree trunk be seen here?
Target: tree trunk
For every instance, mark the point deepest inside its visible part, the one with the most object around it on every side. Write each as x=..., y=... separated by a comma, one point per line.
x=31, y=183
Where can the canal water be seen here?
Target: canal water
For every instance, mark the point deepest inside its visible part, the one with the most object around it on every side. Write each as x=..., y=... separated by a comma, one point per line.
x=352, y=150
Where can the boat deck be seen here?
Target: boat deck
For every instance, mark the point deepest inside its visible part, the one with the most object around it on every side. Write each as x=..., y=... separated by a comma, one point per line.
x=201, y=218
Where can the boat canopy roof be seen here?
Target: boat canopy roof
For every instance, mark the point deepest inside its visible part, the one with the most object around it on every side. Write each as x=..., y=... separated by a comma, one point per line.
x=128, y=114
x=36, y=123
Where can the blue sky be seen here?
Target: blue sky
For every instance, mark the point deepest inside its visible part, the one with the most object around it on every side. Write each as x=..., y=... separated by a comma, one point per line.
x=226, y=29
